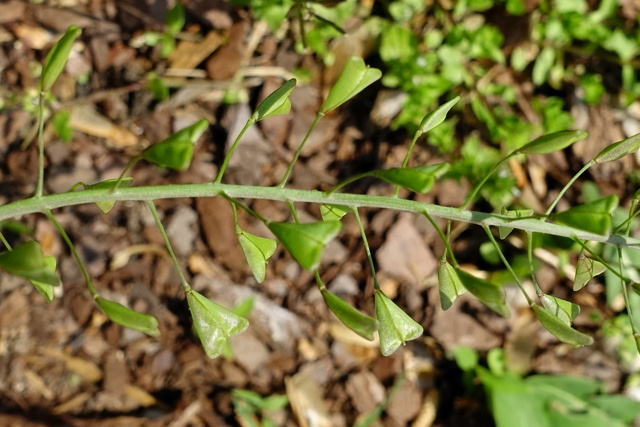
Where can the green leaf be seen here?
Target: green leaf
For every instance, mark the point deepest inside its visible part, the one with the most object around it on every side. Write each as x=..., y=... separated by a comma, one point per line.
x=176, y=151
x=419, y=179
x=108, y=184
x=621, y=407
x=592, y=216
x=359, y=323
x=586, y=269
x=437, y=116
x=564, y=310
x=516, y=213
x=45, y=289
x=257, y=250
x=157, y=87
x=396, y=327
x=543, y=64
x=354, y=78
x=214, y=323
x=61, y=125
x=277, y=102
x=619, y=149
x=128, y=318
x=175, y=18
x=333, y=212
x=560, y=329
x=466, y=358
x=57, y=58
x=305, y=242
x=28, y=262
x=449, y=285
x=553, y=142
x=482, y=289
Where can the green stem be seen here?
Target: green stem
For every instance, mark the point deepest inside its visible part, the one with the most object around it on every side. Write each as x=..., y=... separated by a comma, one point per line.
x=506, y=263
x=167, y=242
x=531, y=266
x=625, y=294
x=74, y=252
x=407, y=156
x=367, y=250
x=476, y=189
x=287, y=173
x=350, y=180
x=246, y=208
x=447, y=244
x=227, y=158
x=566, y=187
x=129, y=165
x=40, y=183
x=5, y=242
x=53, y=201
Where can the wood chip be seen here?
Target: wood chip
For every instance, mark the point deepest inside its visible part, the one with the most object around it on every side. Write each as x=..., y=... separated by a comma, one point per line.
x=307, y=402
x=189, y=54
x=86, y=119
x=86, y=369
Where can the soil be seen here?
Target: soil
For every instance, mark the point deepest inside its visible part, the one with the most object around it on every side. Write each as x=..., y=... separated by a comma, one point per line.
x=65, y=364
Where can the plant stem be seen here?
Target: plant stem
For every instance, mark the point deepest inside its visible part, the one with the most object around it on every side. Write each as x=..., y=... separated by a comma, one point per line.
x=447, y=244
x=566, y=187
x=129, y=165
x=407, y=156
x=40, y=183
x=367, y=250
x=5, y=242
x=287, y=173
x=506, y=263
x=74, y=252
x=167, y=242
x=227, y=158
x=53, y=201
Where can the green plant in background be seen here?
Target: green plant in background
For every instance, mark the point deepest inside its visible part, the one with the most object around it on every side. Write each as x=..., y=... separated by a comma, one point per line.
x=543, y=400
x=214, y=324
x=166, y=40
x=254, y=410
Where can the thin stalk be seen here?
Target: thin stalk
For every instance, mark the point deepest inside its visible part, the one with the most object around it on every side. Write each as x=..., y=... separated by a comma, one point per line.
x=167, y=242
x=601, y=260
x=5, y=242
x=531, y=267
x=476, y=189
x=292, y=209
x=74, y=252
x=40, y=183
x=506, y=263
x=128, y=166
x=367, y=250
x=625, y=294
x=566, y=187
x=350, y=180
x=319, y=283
x=246, y=208
x=287, y=173
x=227, y=158
x=53, y=201
x=447, y=244
x=407, y=156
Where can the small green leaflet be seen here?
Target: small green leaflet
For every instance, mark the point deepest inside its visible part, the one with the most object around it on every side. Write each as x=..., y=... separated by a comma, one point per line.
x=490, y=294
x=108, y=184
x=305, y=242
x=559, y=328
x=214, y=323
x=586, y=269
x=45, y=289
x=257, y=250
x=359, y=323
x=126, y=317
x=28, y=262
x=395, y=326
x=564, y=310
x=449, y=285
x=592, y=216
x=553, y=142
x=333, y=212
x=57, y=58
x=176, y=151
x=437, y=116
x=619, y=149
x=354, y=78
x=419, y=179
x=277, y=102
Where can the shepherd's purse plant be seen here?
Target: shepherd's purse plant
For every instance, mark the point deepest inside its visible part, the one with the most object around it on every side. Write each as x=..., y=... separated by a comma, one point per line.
x=585, y=224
